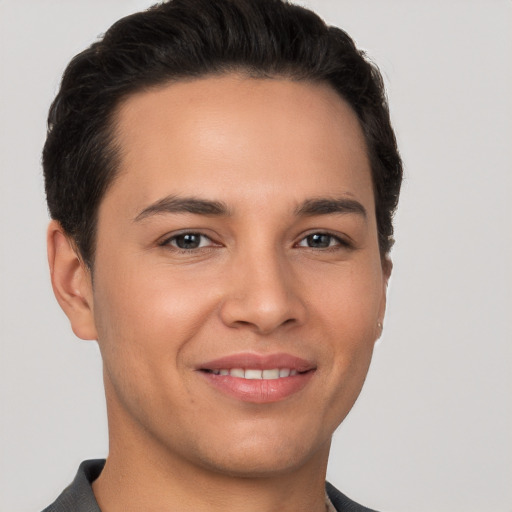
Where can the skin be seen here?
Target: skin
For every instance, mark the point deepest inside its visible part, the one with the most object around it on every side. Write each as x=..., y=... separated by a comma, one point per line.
x=255, y=284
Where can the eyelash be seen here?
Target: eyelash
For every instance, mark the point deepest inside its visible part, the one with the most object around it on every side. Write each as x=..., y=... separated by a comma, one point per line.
x=169, y=241
x=339, y=242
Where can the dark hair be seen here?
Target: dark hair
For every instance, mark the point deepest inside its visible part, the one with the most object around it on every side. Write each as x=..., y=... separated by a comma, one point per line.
x=183, y=39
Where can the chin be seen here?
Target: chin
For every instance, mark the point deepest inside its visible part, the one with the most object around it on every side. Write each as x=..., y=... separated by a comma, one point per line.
x=261, y=456
x=255, y=465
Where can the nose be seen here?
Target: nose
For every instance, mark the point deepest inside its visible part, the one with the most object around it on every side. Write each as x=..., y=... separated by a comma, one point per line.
x=263, y=295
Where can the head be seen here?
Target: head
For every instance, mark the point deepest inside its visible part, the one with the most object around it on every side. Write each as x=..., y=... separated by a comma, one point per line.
x=222, y=178
x=184, y=40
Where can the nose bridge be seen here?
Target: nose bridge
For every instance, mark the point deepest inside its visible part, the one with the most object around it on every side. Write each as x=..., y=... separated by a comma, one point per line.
x=262, y=291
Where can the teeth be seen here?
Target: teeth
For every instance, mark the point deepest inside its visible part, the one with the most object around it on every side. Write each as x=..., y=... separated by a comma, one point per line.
x=237, y=372
x=252, y=374
x=270, y=374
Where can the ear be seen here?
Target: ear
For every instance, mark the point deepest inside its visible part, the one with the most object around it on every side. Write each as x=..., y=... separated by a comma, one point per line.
x=387, y=267
x=71, y=282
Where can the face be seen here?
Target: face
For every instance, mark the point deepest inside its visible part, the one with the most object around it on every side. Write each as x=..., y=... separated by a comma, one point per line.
x=238, y=282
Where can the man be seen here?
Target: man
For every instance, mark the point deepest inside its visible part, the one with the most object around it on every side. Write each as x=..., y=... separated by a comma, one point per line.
x=221, y=178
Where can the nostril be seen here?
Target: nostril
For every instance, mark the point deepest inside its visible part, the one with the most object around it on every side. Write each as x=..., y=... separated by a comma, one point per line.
x=262, y=310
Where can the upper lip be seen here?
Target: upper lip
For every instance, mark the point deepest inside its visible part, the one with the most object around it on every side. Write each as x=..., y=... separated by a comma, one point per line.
x=259, y=362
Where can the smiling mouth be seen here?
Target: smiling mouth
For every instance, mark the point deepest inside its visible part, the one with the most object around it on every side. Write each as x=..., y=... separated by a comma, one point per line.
x=258, y=378
x=255, y=373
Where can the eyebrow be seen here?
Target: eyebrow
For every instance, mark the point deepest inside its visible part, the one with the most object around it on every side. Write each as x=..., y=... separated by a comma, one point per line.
x=310, y=207
x=328, y=206
x=174, y=204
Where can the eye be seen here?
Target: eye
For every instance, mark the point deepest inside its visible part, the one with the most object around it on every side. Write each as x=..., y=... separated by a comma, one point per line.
x=188, y=241
x=321, y=241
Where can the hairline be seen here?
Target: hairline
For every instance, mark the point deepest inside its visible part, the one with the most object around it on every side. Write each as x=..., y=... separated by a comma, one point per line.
x=111, y=129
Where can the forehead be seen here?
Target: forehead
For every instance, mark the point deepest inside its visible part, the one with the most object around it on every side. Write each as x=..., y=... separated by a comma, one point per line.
x=240, y=137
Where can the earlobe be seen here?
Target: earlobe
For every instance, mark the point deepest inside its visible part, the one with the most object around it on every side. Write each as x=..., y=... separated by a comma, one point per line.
x=71, y=282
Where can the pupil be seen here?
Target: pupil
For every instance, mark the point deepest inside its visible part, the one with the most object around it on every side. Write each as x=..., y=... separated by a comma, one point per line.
x=188, y=241
x=319, y=240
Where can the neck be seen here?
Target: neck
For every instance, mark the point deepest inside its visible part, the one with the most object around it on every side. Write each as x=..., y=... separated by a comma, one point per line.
x=150, y=489
x=143, y=475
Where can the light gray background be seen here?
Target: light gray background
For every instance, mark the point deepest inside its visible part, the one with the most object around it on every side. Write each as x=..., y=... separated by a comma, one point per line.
x=432, y=429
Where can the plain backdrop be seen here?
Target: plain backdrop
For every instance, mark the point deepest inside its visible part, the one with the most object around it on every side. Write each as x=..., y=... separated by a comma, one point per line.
x=432, y=429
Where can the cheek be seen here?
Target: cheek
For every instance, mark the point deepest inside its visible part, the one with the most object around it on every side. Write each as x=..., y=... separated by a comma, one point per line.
x=347, y=313
x=144, y=325
x=143, y=318
x=349, y=302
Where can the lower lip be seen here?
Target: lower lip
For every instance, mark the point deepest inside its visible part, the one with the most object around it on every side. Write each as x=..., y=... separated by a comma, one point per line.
x=259, y=391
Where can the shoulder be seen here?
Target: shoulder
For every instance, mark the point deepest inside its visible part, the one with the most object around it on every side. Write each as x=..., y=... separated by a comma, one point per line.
x=343, y=503
x=78, y=496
